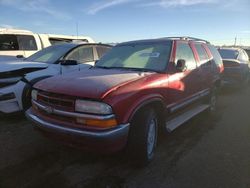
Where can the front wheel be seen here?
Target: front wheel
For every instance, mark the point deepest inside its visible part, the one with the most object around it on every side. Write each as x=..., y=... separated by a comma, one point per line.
x=143, y=136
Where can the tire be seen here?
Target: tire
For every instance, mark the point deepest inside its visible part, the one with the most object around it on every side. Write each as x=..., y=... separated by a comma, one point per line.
x=26, y=97
x=143, y=136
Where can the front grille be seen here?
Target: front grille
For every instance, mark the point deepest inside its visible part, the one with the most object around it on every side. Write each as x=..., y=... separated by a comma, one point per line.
x=57, y=101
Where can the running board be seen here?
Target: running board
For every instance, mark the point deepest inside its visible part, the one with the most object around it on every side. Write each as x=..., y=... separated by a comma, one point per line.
x=179, y=120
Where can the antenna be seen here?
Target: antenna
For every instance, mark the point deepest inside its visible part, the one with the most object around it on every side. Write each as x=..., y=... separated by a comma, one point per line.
x=235, y=41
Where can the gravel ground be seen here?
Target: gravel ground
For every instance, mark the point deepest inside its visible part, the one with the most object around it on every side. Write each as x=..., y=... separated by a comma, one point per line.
x=205, y=152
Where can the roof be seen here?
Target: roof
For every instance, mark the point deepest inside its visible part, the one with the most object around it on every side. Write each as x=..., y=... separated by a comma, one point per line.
x=163, y=40
x=14, y=31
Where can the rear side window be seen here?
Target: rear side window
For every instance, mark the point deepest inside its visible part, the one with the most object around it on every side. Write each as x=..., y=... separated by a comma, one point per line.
x=8, y=42
x=101, y=50
x=54, y=41
x=17, y=42
x=183, y=51
x=216, y=55
x=202, y=53
x=82, y=54
x=26, y=42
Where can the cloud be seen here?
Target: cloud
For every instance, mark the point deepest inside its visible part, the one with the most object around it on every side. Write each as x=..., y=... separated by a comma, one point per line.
x=177, y=3
x=7, y=26
x=42, y=6
x=96, y=7
x=104, y=4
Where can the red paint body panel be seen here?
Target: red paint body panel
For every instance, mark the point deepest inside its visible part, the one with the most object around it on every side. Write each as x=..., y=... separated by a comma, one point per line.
x=126, y=91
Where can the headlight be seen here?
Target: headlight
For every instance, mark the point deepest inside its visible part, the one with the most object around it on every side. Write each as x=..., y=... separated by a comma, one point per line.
x=92, y=107
x=34, y=94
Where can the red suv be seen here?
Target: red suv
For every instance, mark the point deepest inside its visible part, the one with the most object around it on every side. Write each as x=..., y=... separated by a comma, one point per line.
x=131, y=93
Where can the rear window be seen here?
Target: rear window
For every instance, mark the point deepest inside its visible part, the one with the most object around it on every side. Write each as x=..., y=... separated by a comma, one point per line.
x=229, y=53
x=17, y=42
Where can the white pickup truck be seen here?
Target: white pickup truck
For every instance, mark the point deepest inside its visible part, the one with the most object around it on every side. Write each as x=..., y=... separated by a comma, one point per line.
x=23, y=43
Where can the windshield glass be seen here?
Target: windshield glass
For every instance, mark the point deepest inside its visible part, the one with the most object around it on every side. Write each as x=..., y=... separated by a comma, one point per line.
x=228, y=53
x=141, y=56
x=50, y=54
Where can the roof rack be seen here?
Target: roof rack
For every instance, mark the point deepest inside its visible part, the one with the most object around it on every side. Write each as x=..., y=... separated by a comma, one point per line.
x=189, y=39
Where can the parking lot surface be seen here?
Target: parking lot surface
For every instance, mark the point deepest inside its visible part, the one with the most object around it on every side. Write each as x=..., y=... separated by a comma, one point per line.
x=205, y=152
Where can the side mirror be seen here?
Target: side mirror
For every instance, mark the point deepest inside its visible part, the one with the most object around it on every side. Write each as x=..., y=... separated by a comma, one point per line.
x=181, y=65
x=68, y=62
x=19, y=56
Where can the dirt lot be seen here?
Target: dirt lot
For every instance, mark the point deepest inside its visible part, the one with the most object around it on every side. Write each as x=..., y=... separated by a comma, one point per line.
x=205, y=152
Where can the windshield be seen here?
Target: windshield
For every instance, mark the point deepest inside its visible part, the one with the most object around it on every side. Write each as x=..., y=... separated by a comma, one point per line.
x=50, y=54
x=228, y=53
x=141, y=56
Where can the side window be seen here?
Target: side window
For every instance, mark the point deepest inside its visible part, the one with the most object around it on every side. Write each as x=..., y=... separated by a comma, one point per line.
x=202, y=53
x=26, y=42
x=243, y=56
x=216, y=55
x=101, y=50
x=81, y=54
x=8, y=42
x=183, y=51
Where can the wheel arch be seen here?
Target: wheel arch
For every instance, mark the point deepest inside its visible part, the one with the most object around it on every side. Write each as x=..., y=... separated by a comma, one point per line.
x=156, y=103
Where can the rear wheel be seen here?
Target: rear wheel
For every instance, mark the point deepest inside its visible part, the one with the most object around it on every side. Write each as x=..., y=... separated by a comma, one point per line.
x=143, y=136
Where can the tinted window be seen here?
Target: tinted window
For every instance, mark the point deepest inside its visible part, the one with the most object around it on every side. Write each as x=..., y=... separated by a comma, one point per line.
x=54, y=41
x=148, y=56
x=81, y=54
x=184, y=51
x=216, y=55
x=8, y=42
x=17, y=42
x=101, y=50
x=58, y=41
x=26, y=42
x=228, y=53
x=50, y=54
x=202, y=53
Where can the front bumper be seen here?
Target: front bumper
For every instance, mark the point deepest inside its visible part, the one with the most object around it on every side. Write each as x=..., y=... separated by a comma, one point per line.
x=11, y=104
x=104, y=141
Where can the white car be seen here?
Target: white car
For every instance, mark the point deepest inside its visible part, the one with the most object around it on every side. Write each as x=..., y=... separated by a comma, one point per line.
x=18, y=77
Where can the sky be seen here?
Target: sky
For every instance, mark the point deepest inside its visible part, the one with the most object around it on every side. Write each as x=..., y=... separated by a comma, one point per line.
x=218, y=21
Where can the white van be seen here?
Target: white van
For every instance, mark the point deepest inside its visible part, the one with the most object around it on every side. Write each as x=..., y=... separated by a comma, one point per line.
x=23, y=43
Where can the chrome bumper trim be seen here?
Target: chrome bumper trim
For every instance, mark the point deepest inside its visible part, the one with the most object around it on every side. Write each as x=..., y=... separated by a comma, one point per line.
x=52, y=110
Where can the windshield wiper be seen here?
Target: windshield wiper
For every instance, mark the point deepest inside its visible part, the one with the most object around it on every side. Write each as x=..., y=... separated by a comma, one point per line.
x=128, y=68
x=137, y=69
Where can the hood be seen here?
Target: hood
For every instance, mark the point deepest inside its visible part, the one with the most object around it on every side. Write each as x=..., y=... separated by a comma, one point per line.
x=18, y=65
x=90, y=83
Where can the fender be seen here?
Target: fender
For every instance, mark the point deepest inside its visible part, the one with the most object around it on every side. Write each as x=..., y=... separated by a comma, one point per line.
x=26, y=94
x=145, y=100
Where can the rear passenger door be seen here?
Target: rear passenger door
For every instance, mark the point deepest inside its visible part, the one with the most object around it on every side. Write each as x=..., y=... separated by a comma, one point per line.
x=205, y=66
